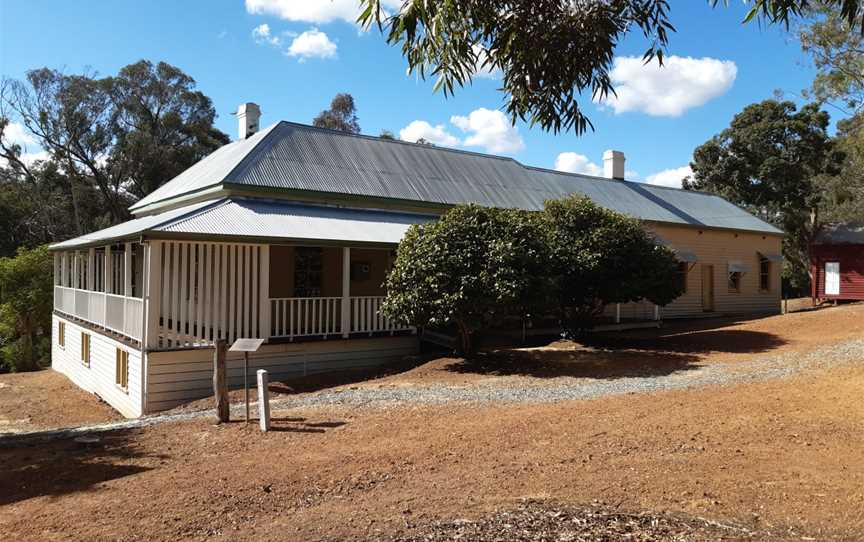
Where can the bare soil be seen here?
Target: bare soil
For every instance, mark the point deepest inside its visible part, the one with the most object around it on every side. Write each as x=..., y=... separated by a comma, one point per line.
x=779, y=459
x=47, y=399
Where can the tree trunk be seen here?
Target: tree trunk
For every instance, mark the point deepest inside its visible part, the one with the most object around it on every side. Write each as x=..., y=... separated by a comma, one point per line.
x=466, y=344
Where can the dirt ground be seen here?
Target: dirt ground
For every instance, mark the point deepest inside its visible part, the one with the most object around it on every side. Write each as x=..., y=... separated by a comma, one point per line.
x=47, y=399
x=779, y=459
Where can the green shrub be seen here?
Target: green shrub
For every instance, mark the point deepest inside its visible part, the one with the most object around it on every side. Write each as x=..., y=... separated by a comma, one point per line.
x=475, y=266
x=26, y=298
x=599, y=257
x=471, y=268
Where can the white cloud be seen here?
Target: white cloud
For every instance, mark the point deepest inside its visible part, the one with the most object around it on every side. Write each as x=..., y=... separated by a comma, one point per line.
x=681, y=84
x=669, y=177
x=313, y=11
x=261, y=34
x=489, y=129
x=481, y=71
x=572, y=162
x=434, y=134
x=312, y=44
x=16, y=133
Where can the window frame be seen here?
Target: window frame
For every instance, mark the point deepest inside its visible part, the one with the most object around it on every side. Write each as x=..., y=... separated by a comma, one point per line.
x=683, y=273
x=61, y=334
x=734, y=287
x=121, y=369
x=85, y=349
x=764, y=273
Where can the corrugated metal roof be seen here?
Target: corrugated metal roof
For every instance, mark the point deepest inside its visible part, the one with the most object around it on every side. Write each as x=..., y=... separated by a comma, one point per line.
x=273, y=219
x=298, y=157
x=209, y=171
x=261, y=219
x=128, y=229
x=841, y=234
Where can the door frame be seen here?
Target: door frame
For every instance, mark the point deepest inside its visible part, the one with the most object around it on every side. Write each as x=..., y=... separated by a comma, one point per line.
x=836, y=264
x=708, y=291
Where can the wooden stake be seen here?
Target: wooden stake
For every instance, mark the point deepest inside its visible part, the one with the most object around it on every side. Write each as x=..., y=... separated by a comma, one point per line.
x=263, y=400
x=220, y=386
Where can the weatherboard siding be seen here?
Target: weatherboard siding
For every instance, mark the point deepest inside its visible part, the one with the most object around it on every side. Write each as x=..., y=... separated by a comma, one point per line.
x=851, y=260
x=717, y=248
x=99, y=377
x=179, y=376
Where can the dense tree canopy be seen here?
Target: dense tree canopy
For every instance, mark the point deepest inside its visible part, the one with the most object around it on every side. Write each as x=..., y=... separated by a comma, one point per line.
x=106, y=141
x=341, y=116
x=25, y=308
x=775, y=160
x=553, y=54
x=470, y=269
x=599, y=257
x=837, y=50
x=476, y=266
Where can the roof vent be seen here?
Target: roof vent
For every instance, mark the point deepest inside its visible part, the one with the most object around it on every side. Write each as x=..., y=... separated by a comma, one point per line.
x=248, y=115
x=613, y=165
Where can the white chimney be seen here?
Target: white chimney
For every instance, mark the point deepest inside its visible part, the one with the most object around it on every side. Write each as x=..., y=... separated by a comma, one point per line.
x=248, y=115
x=613, y=165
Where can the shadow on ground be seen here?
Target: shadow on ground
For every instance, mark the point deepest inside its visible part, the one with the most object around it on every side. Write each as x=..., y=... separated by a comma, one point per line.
x=66, y=466
x=636, y=353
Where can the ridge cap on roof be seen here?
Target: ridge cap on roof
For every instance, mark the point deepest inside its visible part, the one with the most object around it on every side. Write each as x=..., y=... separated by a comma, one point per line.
x=400, y=141
x=627, y=181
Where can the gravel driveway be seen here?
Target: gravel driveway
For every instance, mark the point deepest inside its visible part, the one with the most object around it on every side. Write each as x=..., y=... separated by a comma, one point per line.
x=760, y=368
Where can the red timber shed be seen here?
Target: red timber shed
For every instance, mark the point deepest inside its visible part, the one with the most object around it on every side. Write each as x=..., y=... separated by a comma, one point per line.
x=837, y=263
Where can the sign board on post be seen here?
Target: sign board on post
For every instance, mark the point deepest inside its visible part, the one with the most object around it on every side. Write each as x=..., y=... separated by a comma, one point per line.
x=246, y=346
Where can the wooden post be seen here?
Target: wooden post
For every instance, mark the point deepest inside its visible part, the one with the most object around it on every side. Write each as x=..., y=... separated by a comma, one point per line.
x=153, y=280
x=127, y=270
x=263, y=400
x=108, y=273
x=91, y=269
x=617, y=313
x=264, y=329
x=246, y=382
x=220, y=384
x=346, y=292
x=64, y=269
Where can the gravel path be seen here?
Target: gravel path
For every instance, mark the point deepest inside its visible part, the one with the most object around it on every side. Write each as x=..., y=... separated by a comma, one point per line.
x=759, y=369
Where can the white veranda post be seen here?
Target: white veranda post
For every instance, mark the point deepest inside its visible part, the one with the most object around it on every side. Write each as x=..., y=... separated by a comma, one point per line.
x=346, y=292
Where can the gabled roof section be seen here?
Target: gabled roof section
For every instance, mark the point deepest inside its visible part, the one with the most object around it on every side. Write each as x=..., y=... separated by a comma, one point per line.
x=327, y=163
x=841, y=234
x=210, y=171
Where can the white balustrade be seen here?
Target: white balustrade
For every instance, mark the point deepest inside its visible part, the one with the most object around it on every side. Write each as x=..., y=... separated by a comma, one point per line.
x=305, y=316
x=322, y=316
x=366, y=316
x=117, y=313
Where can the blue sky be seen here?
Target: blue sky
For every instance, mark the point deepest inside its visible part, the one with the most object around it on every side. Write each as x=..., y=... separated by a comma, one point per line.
x=307, y=52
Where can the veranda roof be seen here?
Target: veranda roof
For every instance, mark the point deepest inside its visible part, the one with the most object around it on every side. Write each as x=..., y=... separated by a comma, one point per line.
x=260, y=220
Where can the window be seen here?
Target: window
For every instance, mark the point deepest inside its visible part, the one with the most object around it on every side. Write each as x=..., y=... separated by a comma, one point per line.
x=735, y=281
x=85, y=349
x=307, y=271
x=683, y=269
x=764, y=274
x=61, y=333
x=121, y=369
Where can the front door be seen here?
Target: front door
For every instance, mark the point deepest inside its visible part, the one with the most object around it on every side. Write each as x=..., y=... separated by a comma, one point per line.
x=832, y=278
x=707, y=288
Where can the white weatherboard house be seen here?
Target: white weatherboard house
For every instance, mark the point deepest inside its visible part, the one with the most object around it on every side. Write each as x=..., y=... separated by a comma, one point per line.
x=287, y=235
